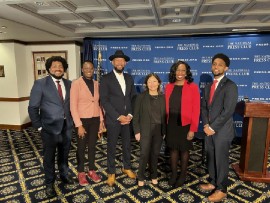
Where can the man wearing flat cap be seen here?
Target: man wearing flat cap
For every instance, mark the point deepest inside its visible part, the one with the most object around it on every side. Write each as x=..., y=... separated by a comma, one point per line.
x=217, y=109
x=116, y=93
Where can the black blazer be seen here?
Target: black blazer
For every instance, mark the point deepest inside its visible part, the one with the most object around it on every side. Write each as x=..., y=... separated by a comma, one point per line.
x=46, y=108
x=112, y=99
x=219, y=114
x=142, y=114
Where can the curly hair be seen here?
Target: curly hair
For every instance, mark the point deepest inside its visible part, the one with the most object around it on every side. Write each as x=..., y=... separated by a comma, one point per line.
x=49, y=61
x=172, y=74
x=147, y=78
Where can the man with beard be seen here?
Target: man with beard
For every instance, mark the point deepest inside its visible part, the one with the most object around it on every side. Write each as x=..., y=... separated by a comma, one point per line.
x=49, y=111
x=217, y=109
x=116, y=93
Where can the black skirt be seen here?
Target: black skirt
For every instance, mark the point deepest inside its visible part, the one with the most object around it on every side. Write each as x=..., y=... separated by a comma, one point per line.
x=176, y=133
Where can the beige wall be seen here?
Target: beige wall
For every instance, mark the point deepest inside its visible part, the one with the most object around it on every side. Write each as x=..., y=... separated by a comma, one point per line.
x=19, y=77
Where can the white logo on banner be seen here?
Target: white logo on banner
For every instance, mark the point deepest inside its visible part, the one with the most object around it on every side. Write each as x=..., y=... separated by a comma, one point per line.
x=261, y=98
x=239, y=72
x=213, y=46
x=239, y=59
x=140, y=72
x=100, y=47
x=163, y=47
x=262, y=71
x=266, y=44
x=187, y=60
x=238, y=124
x=141, y=60
x=194, y=72
x=163, y=60
x=119, y=47
x=261, y=58
x=161, y=72
x=240, y=45
x=260, y=85
x=190, y=47
x=141, y=47
x=203, y=84
x=206, y=59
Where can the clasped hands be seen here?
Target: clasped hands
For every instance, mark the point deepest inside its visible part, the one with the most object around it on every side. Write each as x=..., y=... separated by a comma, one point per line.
x=124, y=120
x=208, y=131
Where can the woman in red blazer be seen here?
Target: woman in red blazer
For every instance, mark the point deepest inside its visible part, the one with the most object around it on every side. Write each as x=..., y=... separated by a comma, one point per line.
x=183, y=111
x=88, y=118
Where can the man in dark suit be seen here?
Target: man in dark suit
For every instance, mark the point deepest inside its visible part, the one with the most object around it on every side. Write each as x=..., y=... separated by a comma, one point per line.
x=217, y=108
x=116, y=93
x=49, y=111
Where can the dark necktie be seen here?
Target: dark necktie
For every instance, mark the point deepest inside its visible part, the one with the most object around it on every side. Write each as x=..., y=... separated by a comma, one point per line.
x=212, y=91
x=59, y=88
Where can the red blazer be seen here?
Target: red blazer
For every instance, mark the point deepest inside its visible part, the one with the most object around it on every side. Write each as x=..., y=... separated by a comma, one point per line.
x=190, y=108
x=82, y=103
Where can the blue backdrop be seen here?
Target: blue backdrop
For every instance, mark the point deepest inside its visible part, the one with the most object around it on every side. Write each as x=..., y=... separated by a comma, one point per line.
x=249, y=54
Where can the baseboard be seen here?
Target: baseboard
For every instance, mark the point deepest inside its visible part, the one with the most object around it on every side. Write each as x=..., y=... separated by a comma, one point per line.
x=15, y=127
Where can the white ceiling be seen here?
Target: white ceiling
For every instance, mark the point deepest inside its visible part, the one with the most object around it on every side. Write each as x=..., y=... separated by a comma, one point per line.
x=70, y=20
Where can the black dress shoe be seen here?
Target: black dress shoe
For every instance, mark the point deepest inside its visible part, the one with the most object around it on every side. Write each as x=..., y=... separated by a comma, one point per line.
x=67, y=180
x=50, y=192
x=172, y=181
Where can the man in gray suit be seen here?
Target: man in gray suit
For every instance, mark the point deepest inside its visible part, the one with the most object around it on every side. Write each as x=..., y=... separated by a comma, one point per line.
x=217, y=109
x=116, y=93
x=49, y=111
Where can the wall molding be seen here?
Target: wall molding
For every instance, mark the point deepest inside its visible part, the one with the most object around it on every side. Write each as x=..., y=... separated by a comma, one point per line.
x=15, y=127
x=42, y=42
x=6, y=99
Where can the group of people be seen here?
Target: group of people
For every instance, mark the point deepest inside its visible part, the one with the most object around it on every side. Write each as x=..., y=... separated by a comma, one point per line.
x=56, y=103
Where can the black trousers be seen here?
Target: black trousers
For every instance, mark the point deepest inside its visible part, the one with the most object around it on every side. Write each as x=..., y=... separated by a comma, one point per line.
x=150, y=146
x=113, y=131
x=51, y=143
x=91, y=125
x=217, y=152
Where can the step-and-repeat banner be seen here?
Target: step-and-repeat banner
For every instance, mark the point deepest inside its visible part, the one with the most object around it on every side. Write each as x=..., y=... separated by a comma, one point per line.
x=249, y=55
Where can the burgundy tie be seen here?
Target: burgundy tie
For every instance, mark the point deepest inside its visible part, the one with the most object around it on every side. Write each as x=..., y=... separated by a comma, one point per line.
x=212, y=91
x=59, y=88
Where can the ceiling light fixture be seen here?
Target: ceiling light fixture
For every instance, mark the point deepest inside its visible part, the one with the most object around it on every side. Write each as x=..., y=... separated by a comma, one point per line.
x=244, y=29
x=3, y=27
x=41, y=3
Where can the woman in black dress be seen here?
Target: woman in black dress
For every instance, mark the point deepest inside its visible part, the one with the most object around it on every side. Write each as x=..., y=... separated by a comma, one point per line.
x=183, y=111
x=149, y=122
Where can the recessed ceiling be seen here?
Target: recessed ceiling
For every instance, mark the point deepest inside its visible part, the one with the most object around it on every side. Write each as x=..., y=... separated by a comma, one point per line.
x=49, y=20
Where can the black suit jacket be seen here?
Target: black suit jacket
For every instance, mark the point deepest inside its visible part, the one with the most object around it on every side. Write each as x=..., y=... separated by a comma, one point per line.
x=46, y=108
x=219, y=114
x=112, y=99
x=142, y=114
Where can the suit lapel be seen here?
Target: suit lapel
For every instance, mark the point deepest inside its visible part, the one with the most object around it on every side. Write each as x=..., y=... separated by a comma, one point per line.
x=127, y=84
x=115, y=81
x=67, y=87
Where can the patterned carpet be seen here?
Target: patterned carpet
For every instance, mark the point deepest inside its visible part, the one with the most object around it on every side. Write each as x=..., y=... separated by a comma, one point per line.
x=22, y=177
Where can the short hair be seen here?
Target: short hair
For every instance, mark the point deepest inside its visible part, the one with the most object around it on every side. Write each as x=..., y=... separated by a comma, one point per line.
x=50, y=60
x=173, y=69
x=147, y=78
x=87, y=61
x=222, y=56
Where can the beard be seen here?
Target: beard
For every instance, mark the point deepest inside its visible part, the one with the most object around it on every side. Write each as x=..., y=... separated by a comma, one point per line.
x=217, y=74
x=118, y=71
x=56, y=77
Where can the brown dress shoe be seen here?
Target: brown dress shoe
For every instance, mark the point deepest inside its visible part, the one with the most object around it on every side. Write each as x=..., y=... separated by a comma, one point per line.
x=207, y=187
x=111, y=179
x=217, y=196
x=129, y=173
